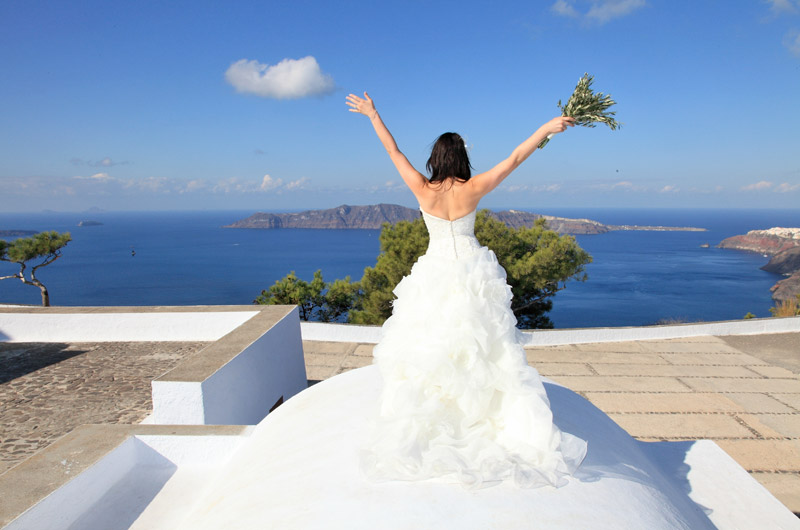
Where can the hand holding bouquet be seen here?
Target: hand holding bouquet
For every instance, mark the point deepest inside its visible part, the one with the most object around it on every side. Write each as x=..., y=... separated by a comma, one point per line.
x=588, y=108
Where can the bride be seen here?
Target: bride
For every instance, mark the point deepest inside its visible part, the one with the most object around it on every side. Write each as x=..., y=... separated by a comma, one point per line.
x=459, y=398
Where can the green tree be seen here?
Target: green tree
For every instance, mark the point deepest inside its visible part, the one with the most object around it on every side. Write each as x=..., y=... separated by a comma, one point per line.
x=45, y=246
x=538, y=263
x=316, y=300
x=401, y=245
x=340, y=297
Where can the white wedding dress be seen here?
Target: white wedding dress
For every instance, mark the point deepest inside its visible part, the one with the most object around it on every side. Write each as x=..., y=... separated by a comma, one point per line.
x=459, y=398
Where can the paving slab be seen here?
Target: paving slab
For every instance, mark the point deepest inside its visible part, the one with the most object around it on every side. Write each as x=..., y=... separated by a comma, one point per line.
x=542, y=356
x=764, y=455
x=771, y=371
x=554, y=369
x=785, y=486
x=779, y=349
x=722, y=384
x=762, y=403
x=328, y=348
x=364, y=350
x=356, y=361
x=601, y=383
x=774, y=425
x=713, y=345
x=684, y=426
x=676, y=402
x=741, y=359
x=683, y=370
x=611, y=347
x=792, y=400
x=319, y=359
x=316, y=373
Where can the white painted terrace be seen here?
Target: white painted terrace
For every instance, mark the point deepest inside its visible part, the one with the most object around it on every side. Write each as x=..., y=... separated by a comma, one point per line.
x=149, y=475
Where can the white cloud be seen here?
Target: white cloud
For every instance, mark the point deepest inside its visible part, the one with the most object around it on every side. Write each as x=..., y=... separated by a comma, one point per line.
x=786, y=187
x=622, y=185
x=791, y=42
x=758, y=186
x=97, y=177
x=781, y=6
x=105, y=162
x=296, y=184
x=669, y=189
x=600, y=11
x=269, y=183
x=235, y=185
x=516, y=188
x=150, y=184
x=289, y=79
x=194, y=185
x=563, y=8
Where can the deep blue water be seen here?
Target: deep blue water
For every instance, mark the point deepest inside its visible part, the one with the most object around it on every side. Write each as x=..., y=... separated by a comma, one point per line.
x=185, y=258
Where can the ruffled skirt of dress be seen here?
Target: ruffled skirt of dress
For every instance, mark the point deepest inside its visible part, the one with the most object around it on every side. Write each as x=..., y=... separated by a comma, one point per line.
x=458, y=395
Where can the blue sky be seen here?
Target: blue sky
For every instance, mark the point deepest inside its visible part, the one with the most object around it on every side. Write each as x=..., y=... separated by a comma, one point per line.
x=240, y=105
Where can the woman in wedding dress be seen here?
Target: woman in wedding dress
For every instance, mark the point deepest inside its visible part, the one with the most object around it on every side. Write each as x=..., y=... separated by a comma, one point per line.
x=459, y=398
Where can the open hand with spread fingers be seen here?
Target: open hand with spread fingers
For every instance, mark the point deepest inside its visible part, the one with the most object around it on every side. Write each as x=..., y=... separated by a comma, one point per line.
x=363, y=105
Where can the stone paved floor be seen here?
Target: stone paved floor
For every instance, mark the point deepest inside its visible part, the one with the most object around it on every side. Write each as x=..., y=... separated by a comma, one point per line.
x=742, y=393
x=46, y=390
x=732, y=392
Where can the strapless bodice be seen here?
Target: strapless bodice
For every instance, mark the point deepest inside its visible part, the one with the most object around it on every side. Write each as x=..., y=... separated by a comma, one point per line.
x=451, y=239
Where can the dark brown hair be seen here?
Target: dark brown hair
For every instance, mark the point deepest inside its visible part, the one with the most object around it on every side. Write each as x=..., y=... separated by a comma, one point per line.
x=449, y=159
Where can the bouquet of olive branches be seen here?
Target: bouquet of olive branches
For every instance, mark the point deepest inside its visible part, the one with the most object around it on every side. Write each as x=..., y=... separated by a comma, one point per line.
x=587, y=108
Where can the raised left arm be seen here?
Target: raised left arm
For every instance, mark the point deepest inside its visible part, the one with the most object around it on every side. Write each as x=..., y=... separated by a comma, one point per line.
x=413, y=178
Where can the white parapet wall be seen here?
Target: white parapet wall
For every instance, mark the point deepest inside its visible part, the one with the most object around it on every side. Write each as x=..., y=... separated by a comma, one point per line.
x=119, y=324
x=319, y=331
x=239, y=378
x=253, y=363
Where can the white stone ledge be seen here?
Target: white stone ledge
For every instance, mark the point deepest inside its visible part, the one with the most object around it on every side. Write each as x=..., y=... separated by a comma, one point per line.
x=238, y=379
x=320, y=331
x=134, y=326
x=108, y=476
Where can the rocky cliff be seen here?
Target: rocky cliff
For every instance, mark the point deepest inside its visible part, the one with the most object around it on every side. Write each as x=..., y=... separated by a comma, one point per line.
x=344, y=216
x=372, y=217
x=785, y=262
x=770, y=242
x=783, y=244
x=787, y=289
x=563, y=225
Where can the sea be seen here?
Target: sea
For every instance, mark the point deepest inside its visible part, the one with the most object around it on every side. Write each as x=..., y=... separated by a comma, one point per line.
x=187, y=258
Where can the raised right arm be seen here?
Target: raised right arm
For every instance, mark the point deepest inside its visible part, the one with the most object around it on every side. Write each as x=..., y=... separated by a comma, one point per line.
x=486, y=182
x=413, y=178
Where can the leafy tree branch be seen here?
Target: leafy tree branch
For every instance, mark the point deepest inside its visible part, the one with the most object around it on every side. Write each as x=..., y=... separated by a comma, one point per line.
x=45, y=246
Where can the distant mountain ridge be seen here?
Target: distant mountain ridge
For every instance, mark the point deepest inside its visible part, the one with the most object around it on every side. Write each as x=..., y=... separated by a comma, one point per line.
x=339, y=218
x=373, y=217
x=17, y=233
